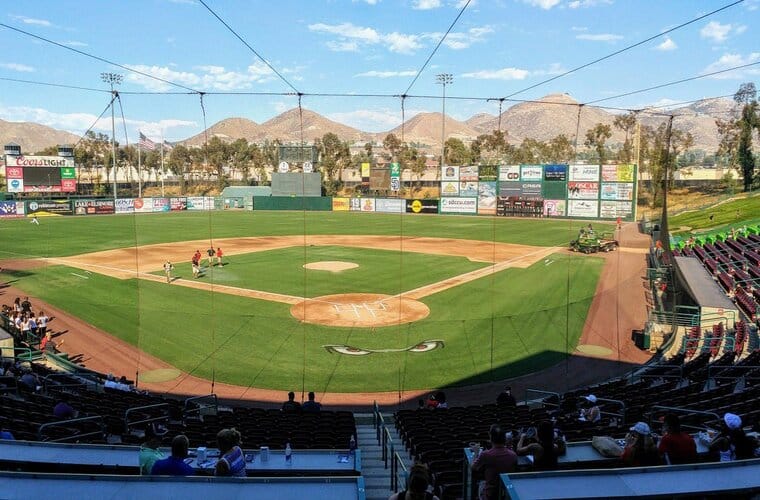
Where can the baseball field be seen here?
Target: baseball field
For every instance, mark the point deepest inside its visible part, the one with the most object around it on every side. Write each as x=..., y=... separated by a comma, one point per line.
x=326, y=301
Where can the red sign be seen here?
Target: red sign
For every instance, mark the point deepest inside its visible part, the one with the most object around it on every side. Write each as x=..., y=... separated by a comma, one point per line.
x=14, y=172
x=68, y=185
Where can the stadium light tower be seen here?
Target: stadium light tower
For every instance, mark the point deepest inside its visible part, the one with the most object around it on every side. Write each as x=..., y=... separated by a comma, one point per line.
x=443, y=79
x=113, y=79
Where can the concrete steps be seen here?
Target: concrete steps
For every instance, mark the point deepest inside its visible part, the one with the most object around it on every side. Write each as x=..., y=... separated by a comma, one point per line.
x=377, y=479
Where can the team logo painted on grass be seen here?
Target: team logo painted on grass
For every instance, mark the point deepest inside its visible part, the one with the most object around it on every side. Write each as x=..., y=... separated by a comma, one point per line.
x=424, y=346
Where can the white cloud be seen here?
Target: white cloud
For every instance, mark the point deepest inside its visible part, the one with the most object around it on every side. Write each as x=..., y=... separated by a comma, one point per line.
x=461, y=3
x=402, y=43
x=553, y=69
x=732, y=60
x=579, y=28
x=385, y=74
x=717, y=32
x=601, y=37
x=33, y=21
x=462, y=40
x=426, y=4
x=582, y=4
x=21, y=68
x=740, y=29
x=209, y=78
x=373, y=120
x=499, y=74
x=370, y=2
x=667, y=45
x=347, y=30
x=544, y=4
x=344, y=46
x=74, y=43
x=187, y=2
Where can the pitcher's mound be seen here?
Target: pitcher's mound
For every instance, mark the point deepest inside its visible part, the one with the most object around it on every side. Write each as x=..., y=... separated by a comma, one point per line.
x=334, y=266
x=359, y=310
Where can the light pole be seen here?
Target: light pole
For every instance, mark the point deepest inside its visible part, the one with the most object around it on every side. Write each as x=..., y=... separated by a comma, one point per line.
x=113, y=79
x=443, y=79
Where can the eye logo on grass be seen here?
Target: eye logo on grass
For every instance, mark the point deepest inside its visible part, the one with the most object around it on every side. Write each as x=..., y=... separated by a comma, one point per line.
x=424, y=346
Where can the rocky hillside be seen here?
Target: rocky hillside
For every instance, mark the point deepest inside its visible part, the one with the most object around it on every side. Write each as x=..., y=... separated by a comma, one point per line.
x=33, y=137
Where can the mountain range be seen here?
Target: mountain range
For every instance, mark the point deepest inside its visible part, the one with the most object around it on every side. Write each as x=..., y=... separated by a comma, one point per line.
x=542, y=119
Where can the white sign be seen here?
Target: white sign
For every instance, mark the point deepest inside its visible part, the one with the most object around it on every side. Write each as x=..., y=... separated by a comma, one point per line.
x=509, y=173
x=583, y=208
x=283, y=167
x=531, y=173
x=450, y=188
x=459, y=205
x=308, y=167
x=38, y=161
x=15, y=185
x=584, y=173
x=450, y=173
x=395, y=183
x=390, y=205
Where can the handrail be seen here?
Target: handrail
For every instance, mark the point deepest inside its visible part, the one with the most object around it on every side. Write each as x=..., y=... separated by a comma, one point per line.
x=60, y=375
x=679, y=409
x=26, y=350
x=538, y=391
x=621, y=414
x=127, y=423
x=395, y=464
x=201, y=407
x=388, y=447
x=94, y=418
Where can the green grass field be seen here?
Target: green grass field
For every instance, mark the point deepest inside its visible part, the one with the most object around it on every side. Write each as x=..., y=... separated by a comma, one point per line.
x=729, y=214
x=506, y=324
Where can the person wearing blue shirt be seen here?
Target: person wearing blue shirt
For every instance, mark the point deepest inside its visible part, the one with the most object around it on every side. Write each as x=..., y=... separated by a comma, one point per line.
x=175, y=464
x=232, y=461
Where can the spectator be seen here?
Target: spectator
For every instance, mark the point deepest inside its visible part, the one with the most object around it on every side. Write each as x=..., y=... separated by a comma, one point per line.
x=42, y=321
x=26, y=306
x=732, y=443
x=506, y=398
x=149, y=452
x=63, y=409
x=440, y=398
x=676, y=446
x=7, y=435
x=590, y=411
x=47, y=344
x=17, y=305
x=232, y=460
x=29, y=381
x=291, y=405
x=639, y=447
x=417, y=484
x=490, y=463
x=432, y=402
x=311, y=406
x=174, y=465
x=544, y=444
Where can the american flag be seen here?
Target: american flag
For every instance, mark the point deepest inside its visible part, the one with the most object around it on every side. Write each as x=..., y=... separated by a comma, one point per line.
x=168, y=146
x=146, y=143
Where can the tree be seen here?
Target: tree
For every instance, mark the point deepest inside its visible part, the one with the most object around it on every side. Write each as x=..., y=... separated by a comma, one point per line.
x=490, y=149
x=180, y=162
x=626, y=123
x=334, y=156
x=596, y=139
x=392, y=144
x=728, y=131
x=746, y=96
x=457, y=152
x=560, y=150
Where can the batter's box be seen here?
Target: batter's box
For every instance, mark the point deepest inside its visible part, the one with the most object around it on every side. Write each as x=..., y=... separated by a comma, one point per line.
x=359, y=310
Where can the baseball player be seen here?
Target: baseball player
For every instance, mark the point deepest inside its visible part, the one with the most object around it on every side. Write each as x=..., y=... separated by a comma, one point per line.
x=219, y=256
x=210, y=252
x=168, y=266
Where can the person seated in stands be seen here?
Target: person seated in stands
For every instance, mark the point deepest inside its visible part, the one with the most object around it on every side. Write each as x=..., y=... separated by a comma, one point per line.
x=676, y=446
x=506, y=398
x=175, y=464
x=311, y=406
x=417, y=485
x=63, y=410
x=29, y=381
x=490, y=463
x=432, y=402
x=291, y=405
x=544, y=444
x=7, y=435
x=149, y=452
x=639, y=448
x=590, y=411
x=231, y=461
x=732, y=443
x=119, y=385
x=440, y=398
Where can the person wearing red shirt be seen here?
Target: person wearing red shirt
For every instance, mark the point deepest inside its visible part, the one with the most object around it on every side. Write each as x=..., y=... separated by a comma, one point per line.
x=219, y=257
x=498, y=460
x=676, y=447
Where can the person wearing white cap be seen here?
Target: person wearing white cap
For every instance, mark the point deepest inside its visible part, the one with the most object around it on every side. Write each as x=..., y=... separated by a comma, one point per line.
x=732, y=443
x=639, y=447
x=590, y=412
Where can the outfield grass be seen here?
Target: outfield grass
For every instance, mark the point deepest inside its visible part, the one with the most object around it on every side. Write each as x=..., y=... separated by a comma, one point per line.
x=379, y=271
x=725, y=215
x=506, y=324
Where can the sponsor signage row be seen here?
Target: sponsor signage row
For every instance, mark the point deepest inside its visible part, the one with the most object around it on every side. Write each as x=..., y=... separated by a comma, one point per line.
x=459, y=205
x=11, y=208
x=94, y=207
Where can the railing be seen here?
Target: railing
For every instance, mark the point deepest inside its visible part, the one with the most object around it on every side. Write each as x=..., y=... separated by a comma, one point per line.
x=398, y=473
x=710, y=369
x=537, y=391
x=632, y=375
x=620, y=414
x=385, y=441
x=65, y=423
x=128, y=423
x=200, y=406
x=46, y=380
x=677, y=409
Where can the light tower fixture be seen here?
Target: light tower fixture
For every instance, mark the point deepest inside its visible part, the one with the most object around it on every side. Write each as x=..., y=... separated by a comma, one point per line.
x=113, y=79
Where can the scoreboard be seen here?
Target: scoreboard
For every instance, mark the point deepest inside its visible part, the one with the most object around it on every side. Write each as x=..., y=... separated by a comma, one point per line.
x=35, y=174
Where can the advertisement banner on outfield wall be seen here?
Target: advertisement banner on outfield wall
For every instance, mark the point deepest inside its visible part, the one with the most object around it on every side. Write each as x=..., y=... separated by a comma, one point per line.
x=49, y=207
x=487, y=198
x=468, y=189
x=530, y=190
x=368, y=204
x=531, y=173
x=615, y=209
x=583, y=208
x=555, y=173
x=94, y=207
x=340, y=205
x=143, y=205
x=617, y=173
x=507, y=189
x=355, y=204
x=161, y=205
x=617, y=191
x=468, y=173
x=200, y=203
x=583, y=190
x=554, y=208
x=422, y=206
x=450, y=173
x=509, y=173
x=449, y=188
x=584, y=173
x=390, y=205
x=125, y=206
x=177, y=204
x=11, y=208
x=459, y=205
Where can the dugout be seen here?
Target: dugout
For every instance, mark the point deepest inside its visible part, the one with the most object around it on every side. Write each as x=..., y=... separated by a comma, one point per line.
x=296, y=184
x=696, y=287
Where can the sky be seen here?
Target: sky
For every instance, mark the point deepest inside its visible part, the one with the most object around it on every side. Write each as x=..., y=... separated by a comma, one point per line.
x=495, y=49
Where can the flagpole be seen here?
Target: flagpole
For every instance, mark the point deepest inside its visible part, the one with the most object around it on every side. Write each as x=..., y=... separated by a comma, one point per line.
x=139, y=171
x=163, y=172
